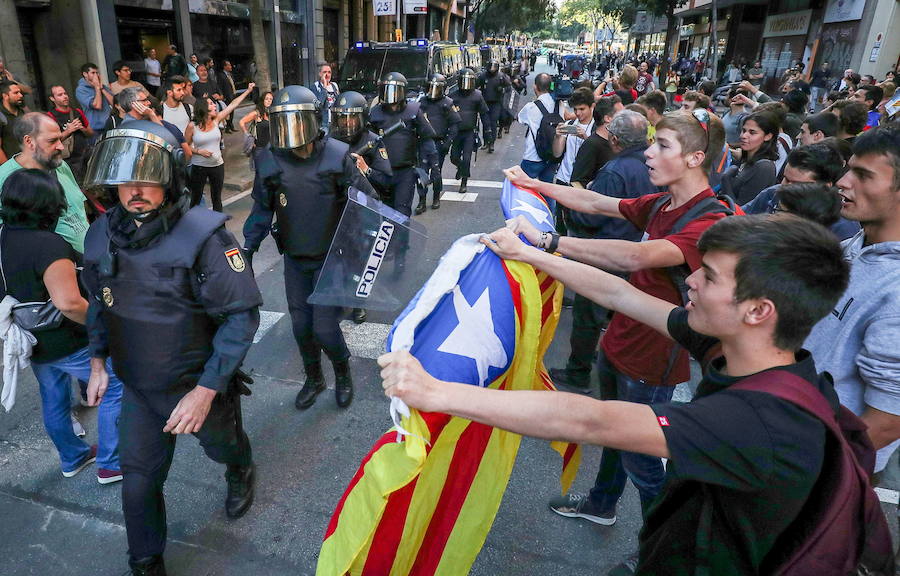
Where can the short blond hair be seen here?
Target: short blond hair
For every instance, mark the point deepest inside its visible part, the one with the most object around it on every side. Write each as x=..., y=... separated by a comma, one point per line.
x=692, y=137
x=628, y=77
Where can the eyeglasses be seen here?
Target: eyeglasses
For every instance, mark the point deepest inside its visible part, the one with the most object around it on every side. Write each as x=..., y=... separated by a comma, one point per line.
x=702, y=116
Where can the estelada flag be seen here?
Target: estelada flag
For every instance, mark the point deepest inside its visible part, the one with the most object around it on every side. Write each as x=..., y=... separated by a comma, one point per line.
x=424, y=498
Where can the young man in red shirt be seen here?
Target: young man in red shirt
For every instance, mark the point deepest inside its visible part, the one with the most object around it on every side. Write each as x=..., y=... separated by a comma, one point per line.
x=638, y=364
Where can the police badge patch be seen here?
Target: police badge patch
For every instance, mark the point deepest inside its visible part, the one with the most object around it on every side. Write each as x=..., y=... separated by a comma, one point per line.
x=235, y=260
x=107, y=296
x=383, y=152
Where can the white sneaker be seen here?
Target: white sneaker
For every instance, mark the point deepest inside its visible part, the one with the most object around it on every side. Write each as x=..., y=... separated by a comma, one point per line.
x=77, y=427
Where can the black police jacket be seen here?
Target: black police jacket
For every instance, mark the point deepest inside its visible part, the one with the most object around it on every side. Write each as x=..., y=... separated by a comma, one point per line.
x=306, y=196
x=443, y=117
x=376, y=156
x=492, y=87
x=469, y=105
x=177, y=312
x=402, y=144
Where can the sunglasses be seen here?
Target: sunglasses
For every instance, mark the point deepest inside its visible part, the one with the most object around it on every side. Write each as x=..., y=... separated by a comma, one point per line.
x=702, y=116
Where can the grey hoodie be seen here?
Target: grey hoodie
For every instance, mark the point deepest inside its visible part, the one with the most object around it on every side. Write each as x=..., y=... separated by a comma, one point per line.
x=859, y=342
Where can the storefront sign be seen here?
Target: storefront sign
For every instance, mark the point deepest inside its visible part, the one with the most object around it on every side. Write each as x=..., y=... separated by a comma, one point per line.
x=643, y=23
x=790, y=24
x=415, y=6
x=686, y=30
x=384, y=7
x=844, y=10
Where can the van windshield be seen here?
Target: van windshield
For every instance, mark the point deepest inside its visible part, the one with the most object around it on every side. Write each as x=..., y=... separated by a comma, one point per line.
x=363, y=69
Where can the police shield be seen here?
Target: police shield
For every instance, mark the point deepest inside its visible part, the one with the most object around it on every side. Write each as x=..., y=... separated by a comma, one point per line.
x=369, y=263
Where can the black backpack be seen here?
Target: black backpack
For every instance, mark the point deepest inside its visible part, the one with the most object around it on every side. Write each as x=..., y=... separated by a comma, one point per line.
x=546, y=133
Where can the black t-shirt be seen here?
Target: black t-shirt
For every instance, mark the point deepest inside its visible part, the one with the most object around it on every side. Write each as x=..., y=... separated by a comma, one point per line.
x=594, y=153
x=745, y=461
x=24, y=273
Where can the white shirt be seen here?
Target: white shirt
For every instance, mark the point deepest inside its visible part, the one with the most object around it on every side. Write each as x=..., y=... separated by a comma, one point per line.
x=177, y=115
x=573, y=143
x=530, y=115
x=155, y=67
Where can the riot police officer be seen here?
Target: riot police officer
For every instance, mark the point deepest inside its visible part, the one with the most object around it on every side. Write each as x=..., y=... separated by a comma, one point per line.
x=444, y=119
x=302, y=180
x=470, y=105
x=175, y=306
x=493, y=84
x=349, y=118
x=402, y=145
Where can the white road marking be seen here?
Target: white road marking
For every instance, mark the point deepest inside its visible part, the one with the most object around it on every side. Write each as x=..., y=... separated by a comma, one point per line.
x=366, y=340
x=888, y=496
x=475, y=183
x=266, y=321
x=457, y=197
x=239, y=196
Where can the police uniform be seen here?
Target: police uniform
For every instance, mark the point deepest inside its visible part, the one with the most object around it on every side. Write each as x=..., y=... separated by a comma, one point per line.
x=492, y=89
x=175, y=306
x=445, y=121
x=403, y=144
x=470, y=105
x=307, y=197
x=376, y=156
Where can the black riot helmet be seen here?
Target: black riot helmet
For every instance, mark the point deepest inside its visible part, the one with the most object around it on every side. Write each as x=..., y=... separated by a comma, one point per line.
x=437, y=87
x=493, y=67
x=349, y=116
x=467, y=79
x=392, y=88
x=293, y=117
x=138, y=152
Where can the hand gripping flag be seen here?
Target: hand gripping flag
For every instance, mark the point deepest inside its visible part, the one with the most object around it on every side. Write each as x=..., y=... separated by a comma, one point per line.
x=520, y=202
x=424, y=498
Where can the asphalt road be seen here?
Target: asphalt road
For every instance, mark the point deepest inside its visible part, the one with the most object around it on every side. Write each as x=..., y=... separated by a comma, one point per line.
x=54, y=525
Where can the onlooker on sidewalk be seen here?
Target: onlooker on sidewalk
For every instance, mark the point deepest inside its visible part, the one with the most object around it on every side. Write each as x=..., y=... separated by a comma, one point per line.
x=226, y=83
x=566, y=143
x=530, y=115
x=7, y=76
x=123, y=78
x=192, y=68
x=818, y=86
x=871, y=96
x=644, y=82
x=139, y=105
x=12, y=108
x=174, y=64
x=853, y=115
x=153, y=70
x=654, y=102
x=95, y=98
x=206, y=86
x=857, y=342
x=817, y=127
x=596, y=151
x=755, y=168
x=31, y=203
x=624, y=176
x=326, y=92
x=40, y=140
x=175, y=110
x=76, y=131
x=256, y=125
x=205, y=140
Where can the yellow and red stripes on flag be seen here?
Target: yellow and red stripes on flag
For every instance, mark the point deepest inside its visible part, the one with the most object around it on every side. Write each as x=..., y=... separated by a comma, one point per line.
x=424, y=505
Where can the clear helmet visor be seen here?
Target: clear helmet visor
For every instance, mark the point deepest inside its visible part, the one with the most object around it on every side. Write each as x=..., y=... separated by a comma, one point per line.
x=345, y=125
x=467, y=82
x=293, y=129
x=436, y=90
x=392, y=93
x=124, y=156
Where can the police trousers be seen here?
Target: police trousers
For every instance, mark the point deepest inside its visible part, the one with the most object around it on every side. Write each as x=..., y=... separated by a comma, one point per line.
x=433, y=163
x=315, y=327
x=146, y=452
x=493, y=121
x=403, y=189
x=461, y=153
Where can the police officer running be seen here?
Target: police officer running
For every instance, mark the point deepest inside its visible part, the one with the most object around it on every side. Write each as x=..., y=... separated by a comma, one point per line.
x=302, y=180
x=349, y=118
x=493, y=84
x=175, y=306
x=469, y=104
x=444, y=119
x=403, y=144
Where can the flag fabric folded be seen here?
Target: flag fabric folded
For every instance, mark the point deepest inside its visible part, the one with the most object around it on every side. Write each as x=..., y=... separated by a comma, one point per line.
x=423, y=500
x=515, y=201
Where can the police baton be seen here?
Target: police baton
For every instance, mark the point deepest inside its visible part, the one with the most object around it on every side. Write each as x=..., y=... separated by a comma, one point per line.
x=239, y=387
x=379, y=139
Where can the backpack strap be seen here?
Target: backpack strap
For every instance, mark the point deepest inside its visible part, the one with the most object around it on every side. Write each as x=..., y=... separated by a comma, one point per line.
x=187, y=109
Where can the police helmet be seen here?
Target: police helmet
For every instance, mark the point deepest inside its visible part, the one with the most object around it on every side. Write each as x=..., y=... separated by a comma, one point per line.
x=348, y=116
x=294, y=117
x=467, y=79
x=137, y=151
x=437, y=87
x=392, y=88
x=493, y=67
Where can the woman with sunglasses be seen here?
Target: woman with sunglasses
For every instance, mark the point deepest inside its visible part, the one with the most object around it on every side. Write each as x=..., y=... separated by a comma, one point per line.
x=754, y=169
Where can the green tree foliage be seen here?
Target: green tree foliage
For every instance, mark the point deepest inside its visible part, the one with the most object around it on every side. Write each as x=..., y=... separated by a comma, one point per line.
x=598, y=14
x=504, y=16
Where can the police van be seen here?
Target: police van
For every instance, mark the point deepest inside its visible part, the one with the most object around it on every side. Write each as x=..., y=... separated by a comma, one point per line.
x=417, y=59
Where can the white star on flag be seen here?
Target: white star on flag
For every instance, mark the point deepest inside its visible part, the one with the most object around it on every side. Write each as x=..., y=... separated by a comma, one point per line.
x=474, y=336
x=540, y=216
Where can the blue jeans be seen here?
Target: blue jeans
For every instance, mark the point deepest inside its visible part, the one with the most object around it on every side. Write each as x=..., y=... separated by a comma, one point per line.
x=616, y=466
x=543, y=171
x=54, y=378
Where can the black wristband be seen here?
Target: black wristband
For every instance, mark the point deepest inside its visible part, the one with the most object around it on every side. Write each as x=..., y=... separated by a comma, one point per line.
x=554, y=243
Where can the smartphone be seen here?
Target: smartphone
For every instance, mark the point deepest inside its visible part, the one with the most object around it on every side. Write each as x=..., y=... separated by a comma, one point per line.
x=568, y=129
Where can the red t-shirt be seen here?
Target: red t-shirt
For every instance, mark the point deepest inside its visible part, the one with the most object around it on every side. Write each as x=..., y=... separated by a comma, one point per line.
x=633, y=348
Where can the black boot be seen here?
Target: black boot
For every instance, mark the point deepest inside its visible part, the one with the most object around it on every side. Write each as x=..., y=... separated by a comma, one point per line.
x=462, y=186
x=491, y=148
x=420, y=208
x=315, y=383
x=149, y=566
x=500, y=134
x=240, y=490
x=359, y=315
x=343, y=384
x=436, y=203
